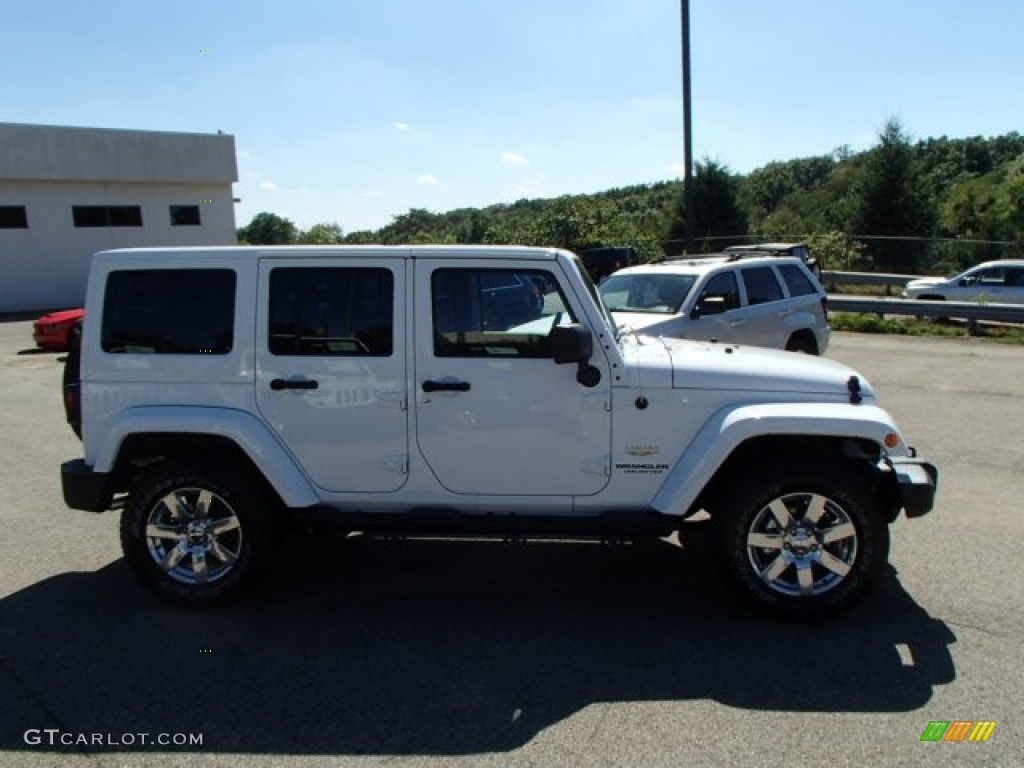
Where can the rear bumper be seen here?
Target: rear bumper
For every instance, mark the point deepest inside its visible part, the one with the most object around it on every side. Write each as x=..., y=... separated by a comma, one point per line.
x=917, y=480
x=85, y=489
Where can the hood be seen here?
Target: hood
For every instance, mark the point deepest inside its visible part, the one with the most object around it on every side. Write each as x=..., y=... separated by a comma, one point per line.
x=701, y=365
x=646, y=321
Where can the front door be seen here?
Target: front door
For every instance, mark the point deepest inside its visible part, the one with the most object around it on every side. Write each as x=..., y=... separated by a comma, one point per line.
x=331, y=367
x=495, y=415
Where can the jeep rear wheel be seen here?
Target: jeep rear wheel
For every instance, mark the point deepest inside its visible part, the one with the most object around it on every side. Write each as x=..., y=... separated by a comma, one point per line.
x=194, y=535
x=804, y=541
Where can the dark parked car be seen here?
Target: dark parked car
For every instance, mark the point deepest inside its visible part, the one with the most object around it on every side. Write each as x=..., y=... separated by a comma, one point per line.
x=601, y=262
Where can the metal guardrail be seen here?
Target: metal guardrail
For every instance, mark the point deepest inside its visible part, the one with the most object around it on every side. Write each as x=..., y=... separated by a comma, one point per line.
x=967, y=310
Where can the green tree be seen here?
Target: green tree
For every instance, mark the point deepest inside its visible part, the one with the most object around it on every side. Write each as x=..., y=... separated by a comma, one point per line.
x=268, y=229
x=325, y=233
x=716, y=210
x=892, y=202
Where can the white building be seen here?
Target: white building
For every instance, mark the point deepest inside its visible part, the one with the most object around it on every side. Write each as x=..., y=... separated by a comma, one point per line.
x=66, y=193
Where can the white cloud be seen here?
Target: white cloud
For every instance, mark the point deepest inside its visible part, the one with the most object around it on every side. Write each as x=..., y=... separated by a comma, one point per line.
x=269, y=186
x=676, y=169
x=373, y=193
x=403, y=127
x=511, y=158
x=428, y=180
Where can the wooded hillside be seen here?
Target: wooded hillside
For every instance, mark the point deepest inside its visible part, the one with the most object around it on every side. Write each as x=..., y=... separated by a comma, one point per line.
x=950, y=202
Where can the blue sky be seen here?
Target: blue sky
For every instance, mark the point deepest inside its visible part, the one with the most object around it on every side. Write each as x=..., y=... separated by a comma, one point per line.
x=354, y=111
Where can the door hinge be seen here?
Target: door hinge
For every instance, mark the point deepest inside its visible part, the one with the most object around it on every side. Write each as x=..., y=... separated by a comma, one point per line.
x=597, y=401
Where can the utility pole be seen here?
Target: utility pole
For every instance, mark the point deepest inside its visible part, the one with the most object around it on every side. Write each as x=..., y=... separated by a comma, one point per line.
x=687, y=128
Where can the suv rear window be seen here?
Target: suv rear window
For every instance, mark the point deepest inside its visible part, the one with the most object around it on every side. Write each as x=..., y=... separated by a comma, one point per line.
x=762, y=286
x=169, y=312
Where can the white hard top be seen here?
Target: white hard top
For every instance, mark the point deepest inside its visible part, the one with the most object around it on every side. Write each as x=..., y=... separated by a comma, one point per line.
x=254, y=252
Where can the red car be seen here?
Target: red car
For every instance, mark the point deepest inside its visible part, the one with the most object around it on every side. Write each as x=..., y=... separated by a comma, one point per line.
x=51, y=331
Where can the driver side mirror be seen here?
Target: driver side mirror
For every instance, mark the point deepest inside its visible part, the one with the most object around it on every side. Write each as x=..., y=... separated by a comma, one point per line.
x=571, y=343
x=575, y=344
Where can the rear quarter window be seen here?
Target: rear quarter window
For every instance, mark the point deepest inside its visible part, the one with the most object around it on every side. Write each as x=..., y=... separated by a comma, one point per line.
x=169, y=312
x=797, y=281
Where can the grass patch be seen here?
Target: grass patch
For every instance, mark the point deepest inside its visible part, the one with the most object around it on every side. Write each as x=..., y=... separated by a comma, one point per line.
x=862, y=322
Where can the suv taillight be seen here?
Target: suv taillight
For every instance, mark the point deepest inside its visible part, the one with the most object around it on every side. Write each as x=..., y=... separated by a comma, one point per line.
x=824, y=306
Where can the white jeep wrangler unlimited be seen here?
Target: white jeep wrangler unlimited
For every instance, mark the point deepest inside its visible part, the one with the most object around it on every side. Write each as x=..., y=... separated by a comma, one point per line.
x=468, y=390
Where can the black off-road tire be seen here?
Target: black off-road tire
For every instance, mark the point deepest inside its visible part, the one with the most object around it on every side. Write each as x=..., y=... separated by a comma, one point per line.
x=197, y=535
x=825, y=537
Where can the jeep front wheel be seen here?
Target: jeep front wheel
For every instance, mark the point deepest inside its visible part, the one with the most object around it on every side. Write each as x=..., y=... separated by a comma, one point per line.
x=805, y=541
x=194, y=535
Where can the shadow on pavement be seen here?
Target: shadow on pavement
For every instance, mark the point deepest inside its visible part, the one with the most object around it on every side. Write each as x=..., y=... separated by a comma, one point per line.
x=366, y=646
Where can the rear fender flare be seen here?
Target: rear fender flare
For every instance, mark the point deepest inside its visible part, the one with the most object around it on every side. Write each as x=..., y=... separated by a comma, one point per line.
x=247, y=432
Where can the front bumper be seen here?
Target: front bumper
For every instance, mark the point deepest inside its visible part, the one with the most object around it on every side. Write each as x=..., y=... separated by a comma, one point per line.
x=917, y=480
x=85, y=489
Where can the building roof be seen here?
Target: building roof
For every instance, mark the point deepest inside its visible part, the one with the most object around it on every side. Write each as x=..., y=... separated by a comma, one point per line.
x=64, y=153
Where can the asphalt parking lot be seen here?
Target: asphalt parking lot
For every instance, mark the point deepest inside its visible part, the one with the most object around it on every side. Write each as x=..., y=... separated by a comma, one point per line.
x=486, y=654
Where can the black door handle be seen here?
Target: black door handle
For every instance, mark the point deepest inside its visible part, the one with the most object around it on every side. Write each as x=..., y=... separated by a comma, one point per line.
x=445, y=386
x=278, y=384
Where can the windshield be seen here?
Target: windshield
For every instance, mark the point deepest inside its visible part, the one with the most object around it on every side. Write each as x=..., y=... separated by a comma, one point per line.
x=652, y=294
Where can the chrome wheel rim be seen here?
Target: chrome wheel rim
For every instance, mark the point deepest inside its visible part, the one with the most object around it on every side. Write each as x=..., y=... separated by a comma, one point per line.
x=194, y=536
x=802, y=544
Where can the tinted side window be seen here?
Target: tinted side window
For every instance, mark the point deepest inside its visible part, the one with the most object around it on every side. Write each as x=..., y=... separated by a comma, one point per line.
x=495, y=312
x=761, y=285
x=331, y=311
x=796, y=280
x=993, y=276
x=1015, y=277
x=722, y=286
x=169, y=312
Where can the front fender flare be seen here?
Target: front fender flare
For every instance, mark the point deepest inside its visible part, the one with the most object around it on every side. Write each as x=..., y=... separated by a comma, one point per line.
x=243, y=429
x=729, y=428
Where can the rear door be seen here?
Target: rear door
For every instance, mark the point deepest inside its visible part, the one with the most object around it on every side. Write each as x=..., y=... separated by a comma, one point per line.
x=331, y=368
x=766, y=308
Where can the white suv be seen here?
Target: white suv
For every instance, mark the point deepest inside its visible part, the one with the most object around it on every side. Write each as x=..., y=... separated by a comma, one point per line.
x=477, y=390
x=766, y=302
